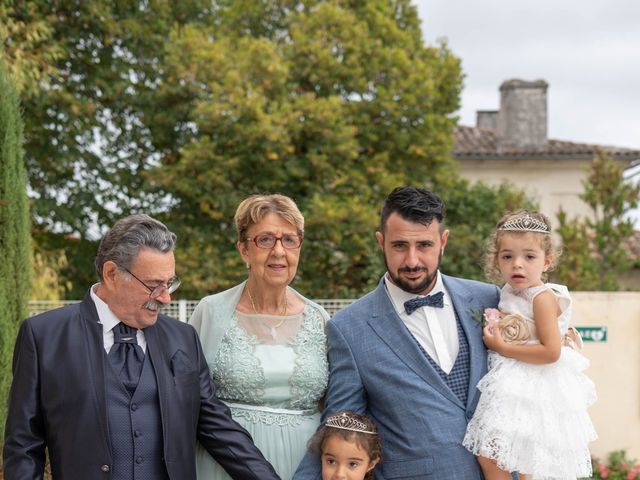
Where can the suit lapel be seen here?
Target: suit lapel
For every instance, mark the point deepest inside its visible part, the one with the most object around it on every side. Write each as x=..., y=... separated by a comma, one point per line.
x=96, y=365
x=389, y=327
x=463, y=305
x=156, y=351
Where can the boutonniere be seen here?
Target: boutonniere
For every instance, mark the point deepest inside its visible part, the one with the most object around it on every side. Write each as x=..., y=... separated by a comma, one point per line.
x=487, y=317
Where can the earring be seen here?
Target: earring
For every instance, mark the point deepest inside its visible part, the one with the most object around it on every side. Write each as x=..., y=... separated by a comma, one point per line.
x=248, y=266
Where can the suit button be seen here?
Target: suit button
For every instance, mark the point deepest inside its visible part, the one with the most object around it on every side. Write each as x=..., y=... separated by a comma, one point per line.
x=105, y=468
x=134, y=407
x=136, y=433
x=469, y=415
x=139, y=460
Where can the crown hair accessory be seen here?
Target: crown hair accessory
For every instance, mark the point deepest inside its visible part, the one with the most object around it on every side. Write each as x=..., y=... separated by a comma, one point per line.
x=525, y=223
x=345, y=422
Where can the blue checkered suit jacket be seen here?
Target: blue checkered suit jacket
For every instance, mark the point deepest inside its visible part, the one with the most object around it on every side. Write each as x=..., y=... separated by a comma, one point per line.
x=377, y=368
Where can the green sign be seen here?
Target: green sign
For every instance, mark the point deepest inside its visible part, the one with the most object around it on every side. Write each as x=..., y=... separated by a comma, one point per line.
x=593, y=334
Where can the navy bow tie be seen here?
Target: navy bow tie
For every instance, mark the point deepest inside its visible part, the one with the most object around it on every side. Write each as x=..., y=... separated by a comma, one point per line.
x=434, y=300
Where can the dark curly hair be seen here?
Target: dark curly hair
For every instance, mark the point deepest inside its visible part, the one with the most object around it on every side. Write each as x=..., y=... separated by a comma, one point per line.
x=368, y=442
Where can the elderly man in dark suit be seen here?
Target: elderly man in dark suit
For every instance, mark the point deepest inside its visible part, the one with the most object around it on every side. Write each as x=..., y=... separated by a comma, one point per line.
x=114, y=389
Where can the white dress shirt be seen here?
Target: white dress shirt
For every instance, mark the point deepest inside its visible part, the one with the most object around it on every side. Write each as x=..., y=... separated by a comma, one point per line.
x=434, y=328
x=109, y=320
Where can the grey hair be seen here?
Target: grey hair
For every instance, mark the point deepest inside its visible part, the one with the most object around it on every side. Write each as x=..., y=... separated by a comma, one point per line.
x=128, y=236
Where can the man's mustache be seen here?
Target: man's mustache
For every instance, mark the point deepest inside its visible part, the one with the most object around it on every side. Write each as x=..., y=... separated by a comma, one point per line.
x=412, y=269
x=153, y=305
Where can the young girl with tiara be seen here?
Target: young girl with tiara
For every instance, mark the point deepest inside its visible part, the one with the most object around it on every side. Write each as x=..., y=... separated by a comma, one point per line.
x=349, y=447
x=532, y=414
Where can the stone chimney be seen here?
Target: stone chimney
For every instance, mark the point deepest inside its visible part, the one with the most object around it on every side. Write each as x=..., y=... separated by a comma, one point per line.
x=522, y=119
x=487, y=119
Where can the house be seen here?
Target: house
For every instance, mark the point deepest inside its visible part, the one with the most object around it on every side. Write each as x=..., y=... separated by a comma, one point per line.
x=511, y=144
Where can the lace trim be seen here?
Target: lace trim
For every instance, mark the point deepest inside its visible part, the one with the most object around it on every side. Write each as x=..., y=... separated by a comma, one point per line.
x=237, y=371
x=311, y=372
x=239, y=375
x=270, y=416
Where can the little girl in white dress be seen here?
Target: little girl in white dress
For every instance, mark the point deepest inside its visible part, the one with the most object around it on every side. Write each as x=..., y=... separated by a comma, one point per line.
x=532, y=414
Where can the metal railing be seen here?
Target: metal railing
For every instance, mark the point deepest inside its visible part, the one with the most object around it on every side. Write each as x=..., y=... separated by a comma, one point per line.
x=180, y=309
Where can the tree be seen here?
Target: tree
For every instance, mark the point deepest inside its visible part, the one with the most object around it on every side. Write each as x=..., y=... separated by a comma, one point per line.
x=29, y=50
x=181, y=109
x=472, y=214
x=15, y=244
x=333, y=103
x=85, y=71
x=594, y=247
x=47, y=283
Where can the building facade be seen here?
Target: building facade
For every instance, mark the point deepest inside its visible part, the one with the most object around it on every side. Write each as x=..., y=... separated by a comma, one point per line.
x=511, y=145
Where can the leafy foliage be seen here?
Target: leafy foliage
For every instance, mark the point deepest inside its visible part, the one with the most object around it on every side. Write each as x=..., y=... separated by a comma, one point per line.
x=85, y=71
x=29, y=52
x=332, y=103
x=182, y=109
x=15, y=244
x=47, y=283
x=472, y=213
x=594, y=251
x=618, y=466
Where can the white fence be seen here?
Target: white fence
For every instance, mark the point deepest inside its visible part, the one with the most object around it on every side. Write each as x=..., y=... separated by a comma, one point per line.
x=180, y=309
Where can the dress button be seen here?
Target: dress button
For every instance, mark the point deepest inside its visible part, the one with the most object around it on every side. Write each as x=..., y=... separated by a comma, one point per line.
x=134, y=407
x=105, y=468
x=139, y=460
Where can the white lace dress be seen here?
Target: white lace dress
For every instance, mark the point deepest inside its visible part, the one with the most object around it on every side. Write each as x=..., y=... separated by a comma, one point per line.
x=533, y=418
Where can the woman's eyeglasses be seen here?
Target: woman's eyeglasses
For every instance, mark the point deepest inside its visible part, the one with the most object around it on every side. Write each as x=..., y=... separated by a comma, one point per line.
x=268, y=240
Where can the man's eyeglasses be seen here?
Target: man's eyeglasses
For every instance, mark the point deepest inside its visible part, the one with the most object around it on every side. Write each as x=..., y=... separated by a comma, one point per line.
x=268, y=240
x=155, y=291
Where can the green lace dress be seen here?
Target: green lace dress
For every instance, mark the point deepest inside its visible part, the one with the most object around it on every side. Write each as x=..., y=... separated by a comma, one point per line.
x=271, y=371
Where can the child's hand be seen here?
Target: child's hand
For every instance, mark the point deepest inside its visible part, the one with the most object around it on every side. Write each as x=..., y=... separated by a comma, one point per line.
x=492, y=337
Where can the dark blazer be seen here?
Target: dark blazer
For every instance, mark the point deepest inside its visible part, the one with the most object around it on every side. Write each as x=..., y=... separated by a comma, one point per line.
x=378, y=369
x=57, y=401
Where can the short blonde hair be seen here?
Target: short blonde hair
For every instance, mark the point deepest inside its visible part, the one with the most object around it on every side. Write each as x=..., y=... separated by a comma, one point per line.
x=254, y=208
x=491, y=269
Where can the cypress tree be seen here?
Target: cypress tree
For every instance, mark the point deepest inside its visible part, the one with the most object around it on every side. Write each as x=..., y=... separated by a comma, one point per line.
x=15, y=239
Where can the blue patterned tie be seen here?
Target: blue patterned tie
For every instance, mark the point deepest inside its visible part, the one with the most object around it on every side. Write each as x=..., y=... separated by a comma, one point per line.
x=126, y=356
x=434, y=300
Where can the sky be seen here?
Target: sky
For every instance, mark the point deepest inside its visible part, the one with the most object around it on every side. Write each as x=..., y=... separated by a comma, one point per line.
x=587, y=51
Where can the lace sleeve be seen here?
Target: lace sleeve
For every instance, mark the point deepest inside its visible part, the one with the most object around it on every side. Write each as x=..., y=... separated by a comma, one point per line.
x=561, y=293
x=533, y=292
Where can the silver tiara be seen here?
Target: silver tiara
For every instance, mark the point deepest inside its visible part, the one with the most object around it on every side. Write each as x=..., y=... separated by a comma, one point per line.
x=345, y=422
x=525, y=223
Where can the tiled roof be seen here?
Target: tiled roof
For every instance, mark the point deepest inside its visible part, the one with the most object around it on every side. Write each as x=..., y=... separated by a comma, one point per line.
x=478, y=142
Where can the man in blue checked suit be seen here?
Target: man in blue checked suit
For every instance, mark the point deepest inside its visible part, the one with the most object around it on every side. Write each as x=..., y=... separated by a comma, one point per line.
x=409, y=354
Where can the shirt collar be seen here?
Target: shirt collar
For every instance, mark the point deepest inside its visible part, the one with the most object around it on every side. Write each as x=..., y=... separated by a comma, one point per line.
x=399, y=296
x=107, y=318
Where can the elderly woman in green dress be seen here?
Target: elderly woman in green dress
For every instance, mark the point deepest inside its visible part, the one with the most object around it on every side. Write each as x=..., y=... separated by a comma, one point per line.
x=264, y=342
